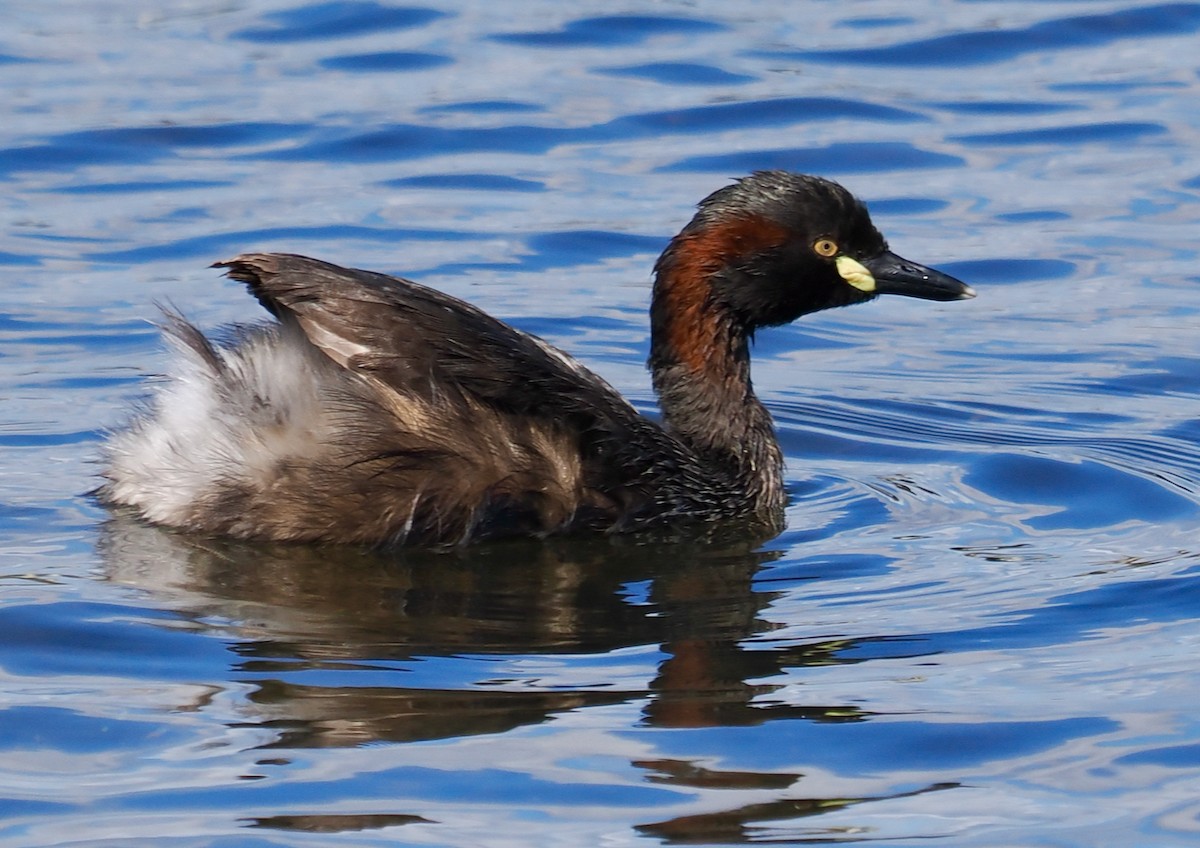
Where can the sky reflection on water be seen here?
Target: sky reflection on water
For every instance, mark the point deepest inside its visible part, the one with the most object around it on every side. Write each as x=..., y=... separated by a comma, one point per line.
x=980, y=622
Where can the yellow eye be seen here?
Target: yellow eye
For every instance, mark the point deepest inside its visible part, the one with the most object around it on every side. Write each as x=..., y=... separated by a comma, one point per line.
x=825, y=247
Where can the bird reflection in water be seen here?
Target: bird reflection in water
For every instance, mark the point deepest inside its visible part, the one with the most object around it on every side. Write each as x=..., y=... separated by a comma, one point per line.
x=343, y=612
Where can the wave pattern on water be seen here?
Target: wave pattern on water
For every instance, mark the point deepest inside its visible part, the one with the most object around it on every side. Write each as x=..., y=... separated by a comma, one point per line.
x=992, y=46
x=975, y=627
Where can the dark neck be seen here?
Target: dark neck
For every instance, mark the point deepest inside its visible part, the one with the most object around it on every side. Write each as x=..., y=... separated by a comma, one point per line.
x=700, y=359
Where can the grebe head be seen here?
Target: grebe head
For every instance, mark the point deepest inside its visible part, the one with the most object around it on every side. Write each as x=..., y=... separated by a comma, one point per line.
x=762, y=251
x=775, y=245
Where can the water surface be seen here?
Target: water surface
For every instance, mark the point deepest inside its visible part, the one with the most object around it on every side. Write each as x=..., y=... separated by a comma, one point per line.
x=979, y=628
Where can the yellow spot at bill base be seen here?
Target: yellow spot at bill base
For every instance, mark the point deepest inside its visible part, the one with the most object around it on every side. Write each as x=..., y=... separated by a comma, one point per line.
x=855, y=273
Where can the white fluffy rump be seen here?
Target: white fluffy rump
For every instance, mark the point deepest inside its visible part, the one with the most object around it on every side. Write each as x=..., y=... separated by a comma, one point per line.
x=268, y=437
x=226, y=417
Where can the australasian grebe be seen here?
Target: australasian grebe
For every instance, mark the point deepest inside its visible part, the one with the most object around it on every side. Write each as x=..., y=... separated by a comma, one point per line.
x=378, y=411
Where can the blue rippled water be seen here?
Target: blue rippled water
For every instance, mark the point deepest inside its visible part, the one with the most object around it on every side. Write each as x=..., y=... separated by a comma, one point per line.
x=980, y=626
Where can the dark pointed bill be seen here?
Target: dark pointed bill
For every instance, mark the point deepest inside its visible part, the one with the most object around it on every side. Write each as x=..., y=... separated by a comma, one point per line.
x=896, y=275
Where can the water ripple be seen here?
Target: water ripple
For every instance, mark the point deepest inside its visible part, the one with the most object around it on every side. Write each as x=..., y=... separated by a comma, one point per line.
x=843, y=158
x=466, y=182
x=396, y=60
x=337, y=19
x=409, y=141
x=678, y=73
x=985, y=47
x=223, y=244
x=988, y=500
x=136, y=187
x=135, y=145
x=753, y=113
x=1006, y=271
x=610, y=31
x=1112, y=132
x=890, y=432
x=1004, y=107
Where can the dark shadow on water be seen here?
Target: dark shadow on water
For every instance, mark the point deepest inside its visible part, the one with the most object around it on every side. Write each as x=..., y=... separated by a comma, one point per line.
x=334, y=823
x=344, y=648
x=737, y=826
x=340, y=648
x=325, y=635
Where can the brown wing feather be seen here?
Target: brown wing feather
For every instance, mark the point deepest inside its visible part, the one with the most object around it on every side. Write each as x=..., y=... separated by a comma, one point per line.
x=424, y=347
x=410, y=336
